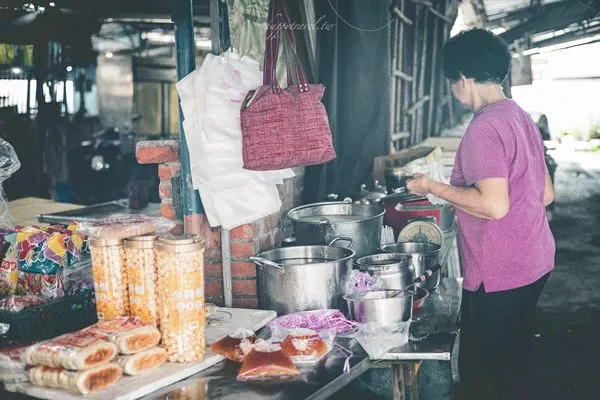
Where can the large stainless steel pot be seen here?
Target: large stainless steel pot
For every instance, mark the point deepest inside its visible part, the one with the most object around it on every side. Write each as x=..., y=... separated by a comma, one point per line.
x=385, y=307
x=395, y=270
x=320, y=223
x=424, y=256
x=303, y=278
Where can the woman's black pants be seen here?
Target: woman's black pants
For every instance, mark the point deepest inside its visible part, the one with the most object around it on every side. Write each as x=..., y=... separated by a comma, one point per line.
x=496, y=342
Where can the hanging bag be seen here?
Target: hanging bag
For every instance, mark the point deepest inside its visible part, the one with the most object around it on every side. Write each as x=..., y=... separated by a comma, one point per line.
x=283, y=128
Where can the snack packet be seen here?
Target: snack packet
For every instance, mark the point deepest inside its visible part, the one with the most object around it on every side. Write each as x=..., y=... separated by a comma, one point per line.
x=130, y=334
x=236, y=345
x=265, y=362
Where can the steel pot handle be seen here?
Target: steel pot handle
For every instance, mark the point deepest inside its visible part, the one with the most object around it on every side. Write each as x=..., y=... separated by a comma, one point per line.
x=344, y=238
x=261, y=262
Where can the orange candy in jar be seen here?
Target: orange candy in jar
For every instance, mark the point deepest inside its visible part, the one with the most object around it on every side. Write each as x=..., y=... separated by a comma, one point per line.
x=142, y=277
x=110, y=278
x=180, y=261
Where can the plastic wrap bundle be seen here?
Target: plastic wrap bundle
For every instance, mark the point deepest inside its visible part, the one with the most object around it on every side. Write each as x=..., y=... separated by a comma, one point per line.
x=360, y=282
x=317, y=320
x=9, y=164
x=124, y=226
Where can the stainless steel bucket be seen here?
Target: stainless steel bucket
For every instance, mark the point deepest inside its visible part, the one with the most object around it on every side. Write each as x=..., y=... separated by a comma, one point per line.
x=302, y=278
x=424, y=256
x=395, y=270
x=381, y=307
x=320, y=223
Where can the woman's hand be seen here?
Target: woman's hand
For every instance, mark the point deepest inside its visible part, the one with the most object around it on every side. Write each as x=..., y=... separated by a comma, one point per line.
x=420, y=185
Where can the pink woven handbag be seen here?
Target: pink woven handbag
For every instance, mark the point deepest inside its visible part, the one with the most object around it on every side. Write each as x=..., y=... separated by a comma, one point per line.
x=283, y=128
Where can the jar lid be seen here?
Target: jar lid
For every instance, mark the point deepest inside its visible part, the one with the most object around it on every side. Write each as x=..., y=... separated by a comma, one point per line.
x=104, y=242
x=180, y=247
x=141, y=242
x=177, y=240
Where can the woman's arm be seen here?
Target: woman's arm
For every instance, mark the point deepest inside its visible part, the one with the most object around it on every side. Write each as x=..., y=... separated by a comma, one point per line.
x=548, y=189
x=487, y=199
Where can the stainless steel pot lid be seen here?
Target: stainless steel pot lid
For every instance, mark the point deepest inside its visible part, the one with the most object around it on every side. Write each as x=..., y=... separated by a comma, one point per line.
x=335, y=213
x=384, y=261
x=412, y=248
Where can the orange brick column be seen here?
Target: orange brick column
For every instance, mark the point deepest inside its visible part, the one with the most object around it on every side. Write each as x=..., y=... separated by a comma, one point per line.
x=246, y=240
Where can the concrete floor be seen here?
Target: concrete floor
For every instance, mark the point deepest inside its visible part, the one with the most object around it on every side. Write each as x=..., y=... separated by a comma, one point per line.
x=569, y=308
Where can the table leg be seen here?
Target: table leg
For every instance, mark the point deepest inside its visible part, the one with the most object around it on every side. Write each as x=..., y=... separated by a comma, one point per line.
x=404, y=381
x=398, y=381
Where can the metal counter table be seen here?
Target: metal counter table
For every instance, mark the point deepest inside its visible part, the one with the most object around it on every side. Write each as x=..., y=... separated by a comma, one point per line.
x=98, y=211
x=319, y=382
x=433, y=334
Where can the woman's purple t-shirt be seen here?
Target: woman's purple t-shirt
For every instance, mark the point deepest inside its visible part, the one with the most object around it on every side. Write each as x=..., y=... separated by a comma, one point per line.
x=503, y=142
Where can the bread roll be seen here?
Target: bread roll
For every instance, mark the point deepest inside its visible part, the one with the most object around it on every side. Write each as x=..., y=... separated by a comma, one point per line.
x=143, y=362
x=76, y=351
x=81, y=382
x=130, y=334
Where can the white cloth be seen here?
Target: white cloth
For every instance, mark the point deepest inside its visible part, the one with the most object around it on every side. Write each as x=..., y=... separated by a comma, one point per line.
x=211, y=98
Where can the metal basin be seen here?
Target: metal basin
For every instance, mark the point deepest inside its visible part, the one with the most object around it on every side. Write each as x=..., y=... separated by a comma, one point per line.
x=303, y=278
x=394, y=269
x=424, y=256
x=381, y=307
x=320, y=223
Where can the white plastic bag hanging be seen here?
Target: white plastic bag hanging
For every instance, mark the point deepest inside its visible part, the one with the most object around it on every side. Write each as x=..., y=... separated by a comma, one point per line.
x=211, y=98
x=9, y=164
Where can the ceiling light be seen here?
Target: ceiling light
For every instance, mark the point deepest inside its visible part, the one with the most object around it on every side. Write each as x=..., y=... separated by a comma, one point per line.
x=69, y=68
x=52, y=4
x=16, y=70
x=109, y=54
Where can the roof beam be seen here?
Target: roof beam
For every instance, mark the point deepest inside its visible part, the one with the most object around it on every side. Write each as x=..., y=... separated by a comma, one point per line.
x=563, y=15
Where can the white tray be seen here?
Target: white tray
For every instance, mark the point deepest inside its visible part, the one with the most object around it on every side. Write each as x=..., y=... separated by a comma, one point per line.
x=134, y=387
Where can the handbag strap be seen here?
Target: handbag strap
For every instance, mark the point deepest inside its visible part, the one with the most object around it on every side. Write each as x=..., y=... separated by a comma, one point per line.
x=279, y=21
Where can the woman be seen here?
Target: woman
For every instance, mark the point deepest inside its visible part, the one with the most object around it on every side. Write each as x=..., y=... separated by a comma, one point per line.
x=500, y=186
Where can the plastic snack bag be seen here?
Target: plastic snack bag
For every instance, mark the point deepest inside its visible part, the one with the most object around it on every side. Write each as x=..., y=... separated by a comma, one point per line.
x=130, y=334
x=9, y=164
x=43, y=285
x=236, y=345
x=317, y=320
x=265, y=362
x=360, y=282
x=9, y=271
x=12, y=364
x=143, y=362
x=79, y=350
x=81, y=382
x=378, y=340
x=17, y=303
x=125, y=226
x=305, y=346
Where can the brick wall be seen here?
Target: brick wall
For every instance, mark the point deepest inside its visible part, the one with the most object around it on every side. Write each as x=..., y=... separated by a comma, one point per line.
x=246, y=240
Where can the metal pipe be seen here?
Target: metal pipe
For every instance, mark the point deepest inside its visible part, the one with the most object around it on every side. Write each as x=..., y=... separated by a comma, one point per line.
x=434, y=79
x=403, y=75
x=401, y=16
x=225, y=242
x=392, y=126
x=181, y=13
x=417, y=104
x=423, y=69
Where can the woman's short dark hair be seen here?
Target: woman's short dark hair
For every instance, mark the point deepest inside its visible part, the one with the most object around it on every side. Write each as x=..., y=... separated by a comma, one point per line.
x=476, y=54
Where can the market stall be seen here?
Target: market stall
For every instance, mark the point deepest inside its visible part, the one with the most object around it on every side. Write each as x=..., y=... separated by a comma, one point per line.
x=366, y=280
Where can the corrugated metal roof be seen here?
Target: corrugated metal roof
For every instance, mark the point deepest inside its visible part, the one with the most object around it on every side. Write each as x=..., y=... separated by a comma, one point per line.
x=499, y=8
